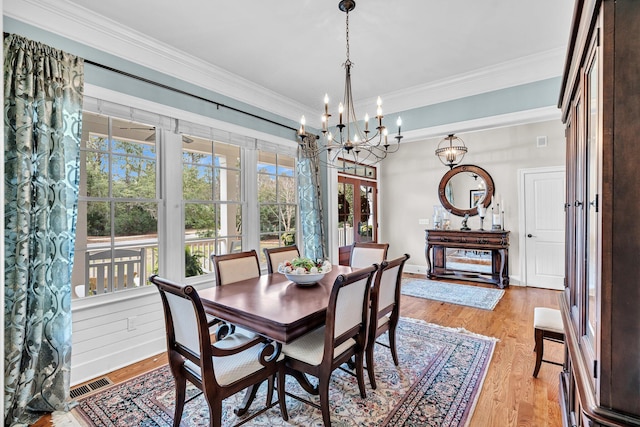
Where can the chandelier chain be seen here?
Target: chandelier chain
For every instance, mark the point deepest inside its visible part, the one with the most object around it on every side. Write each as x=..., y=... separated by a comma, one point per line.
x=348, y=60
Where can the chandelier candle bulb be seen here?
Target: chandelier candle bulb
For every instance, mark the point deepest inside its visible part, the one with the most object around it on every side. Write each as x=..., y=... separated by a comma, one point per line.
x=399, y=124
x=326, y=105
x=366, y=122
x=302, y=123
x=340, y=110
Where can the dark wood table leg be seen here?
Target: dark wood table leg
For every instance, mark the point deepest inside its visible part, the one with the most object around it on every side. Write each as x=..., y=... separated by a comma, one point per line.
x=249, y=396
x=428, y=257
x=303, y=381
x=501, y=280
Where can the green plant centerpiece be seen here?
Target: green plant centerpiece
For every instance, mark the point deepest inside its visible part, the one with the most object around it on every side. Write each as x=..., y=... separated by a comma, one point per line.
x=304, y=271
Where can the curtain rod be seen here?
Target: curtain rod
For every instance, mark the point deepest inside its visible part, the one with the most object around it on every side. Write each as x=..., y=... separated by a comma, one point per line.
x=182, y=92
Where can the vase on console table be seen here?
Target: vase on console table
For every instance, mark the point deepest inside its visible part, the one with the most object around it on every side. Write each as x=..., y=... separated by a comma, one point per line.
x=481, y=213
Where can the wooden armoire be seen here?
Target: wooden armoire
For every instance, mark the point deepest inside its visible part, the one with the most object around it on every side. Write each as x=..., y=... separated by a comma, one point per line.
x=600, y=102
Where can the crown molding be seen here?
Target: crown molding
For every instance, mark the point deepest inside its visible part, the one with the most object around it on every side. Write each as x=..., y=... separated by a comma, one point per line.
x=74, y=22
x=66, y=19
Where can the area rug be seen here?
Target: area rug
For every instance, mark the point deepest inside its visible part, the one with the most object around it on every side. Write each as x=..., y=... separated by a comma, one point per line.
x=437, y=383
x=472, y=296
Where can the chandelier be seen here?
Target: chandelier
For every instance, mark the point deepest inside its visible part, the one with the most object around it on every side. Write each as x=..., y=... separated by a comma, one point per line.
x=351, y=142
x=450, y=154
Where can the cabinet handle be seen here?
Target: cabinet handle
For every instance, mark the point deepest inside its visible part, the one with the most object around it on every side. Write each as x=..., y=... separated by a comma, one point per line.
x=577, y=203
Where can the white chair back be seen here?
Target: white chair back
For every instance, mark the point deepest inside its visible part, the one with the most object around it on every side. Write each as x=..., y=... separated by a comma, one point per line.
x=365, y=256
x=232, y=268
x=388, y=283
x=185, y=322
x=275, y=258
x=349, y=306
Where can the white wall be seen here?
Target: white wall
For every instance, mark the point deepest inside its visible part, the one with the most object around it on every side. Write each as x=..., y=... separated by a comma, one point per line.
x=109, y=336
x=409, y=184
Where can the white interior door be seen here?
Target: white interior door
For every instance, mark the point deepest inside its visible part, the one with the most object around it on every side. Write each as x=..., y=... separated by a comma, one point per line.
x=544, y=200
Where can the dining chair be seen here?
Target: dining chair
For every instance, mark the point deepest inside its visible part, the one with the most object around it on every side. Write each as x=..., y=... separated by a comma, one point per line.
x=231, y=268
x=385, y=310
x=365, y=254
x=219, y=369
x=236, y=267
x=343, y=336
x=275, y=256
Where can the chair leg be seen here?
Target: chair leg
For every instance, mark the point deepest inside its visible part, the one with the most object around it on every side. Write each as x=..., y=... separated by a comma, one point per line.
x=360, y=373
x=392, y=343
x=215, y=413
x=323, y=388
x=539, y=349
x=181, y=389
x=270, y=383
x=370, y=369
x=281, y=394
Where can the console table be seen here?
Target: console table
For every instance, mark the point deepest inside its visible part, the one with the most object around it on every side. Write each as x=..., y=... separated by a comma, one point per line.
x=496, y=241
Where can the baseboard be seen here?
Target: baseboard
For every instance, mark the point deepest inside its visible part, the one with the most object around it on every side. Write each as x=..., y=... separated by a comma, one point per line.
x=415, y=269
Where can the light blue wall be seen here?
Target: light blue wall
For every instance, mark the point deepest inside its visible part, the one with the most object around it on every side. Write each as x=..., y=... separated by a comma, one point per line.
x=543, y=93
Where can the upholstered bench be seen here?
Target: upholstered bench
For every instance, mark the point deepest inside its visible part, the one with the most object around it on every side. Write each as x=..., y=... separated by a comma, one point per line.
x=547, y=325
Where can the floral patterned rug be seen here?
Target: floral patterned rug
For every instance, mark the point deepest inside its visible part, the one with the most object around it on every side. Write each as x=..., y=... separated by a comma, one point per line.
x=469, y=295
x=437, y=384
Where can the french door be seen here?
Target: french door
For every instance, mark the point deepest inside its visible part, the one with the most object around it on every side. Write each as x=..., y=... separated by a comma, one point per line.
x=357, y=211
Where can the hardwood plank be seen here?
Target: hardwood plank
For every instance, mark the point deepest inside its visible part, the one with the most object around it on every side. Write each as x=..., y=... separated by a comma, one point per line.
x=510, y=395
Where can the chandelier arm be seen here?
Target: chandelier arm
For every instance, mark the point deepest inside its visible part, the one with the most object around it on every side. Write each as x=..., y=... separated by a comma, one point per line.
x=351, y=141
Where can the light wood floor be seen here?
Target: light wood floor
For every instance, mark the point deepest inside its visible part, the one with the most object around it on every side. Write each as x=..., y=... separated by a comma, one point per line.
x=510, y=395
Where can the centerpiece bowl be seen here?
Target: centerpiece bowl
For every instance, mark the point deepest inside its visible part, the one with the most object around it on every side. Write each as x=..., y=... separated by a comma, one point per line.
x=304, y=271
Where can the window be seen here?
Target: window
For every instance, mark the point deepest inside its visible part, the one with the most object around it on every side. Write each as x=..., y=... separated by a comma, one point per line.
x=150, y=181
x=211, y=187
x=116, y=235
x=277, y=200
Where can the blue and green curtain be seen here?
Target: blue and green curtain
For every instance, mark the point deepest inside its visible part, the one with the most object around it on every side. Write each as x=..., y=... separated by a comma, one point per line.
x=42, y=128
x=310, y=199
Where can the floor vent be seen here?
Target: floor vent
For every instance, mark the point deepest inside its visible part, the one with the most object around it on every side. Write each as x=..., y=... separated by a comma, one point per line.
x=90, y=387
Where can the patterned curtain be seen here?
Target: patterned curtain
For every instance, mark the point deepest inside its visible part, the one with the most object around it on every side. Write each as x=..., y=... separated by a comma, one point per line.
x=310, y=199
x=43, y=119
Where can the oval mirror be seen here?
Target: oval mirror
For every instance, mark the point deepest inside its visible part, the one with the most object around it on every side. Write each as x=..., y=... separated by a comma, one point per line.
x=463, y=188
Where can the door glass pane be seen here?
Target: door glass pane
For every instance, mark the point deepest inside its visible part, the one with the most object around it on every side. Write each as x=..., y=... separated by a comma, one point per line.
x=592, y=194
x=366, y=220
x=345, y=214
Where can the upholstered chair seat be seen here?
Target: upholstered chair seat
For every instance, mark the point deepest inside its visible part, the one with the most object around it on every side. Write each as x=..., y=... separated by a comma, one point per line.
x=231, y=369
x=310, y=347
x=547, y=325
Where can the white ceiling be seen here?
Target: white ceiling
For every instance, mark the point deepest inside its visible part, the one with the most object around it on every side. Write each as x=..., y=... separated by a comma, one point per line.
x=295, y=48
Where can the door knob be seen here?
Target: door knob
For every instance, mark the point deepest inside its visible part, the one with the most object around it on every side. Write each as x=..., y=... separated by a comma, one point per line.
x=530, y=235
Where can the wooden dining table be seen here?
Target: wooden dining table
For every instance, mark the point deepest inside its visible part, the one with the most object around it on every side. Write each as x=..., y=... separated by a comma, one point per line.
x=275, y=307
x=272, y=305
